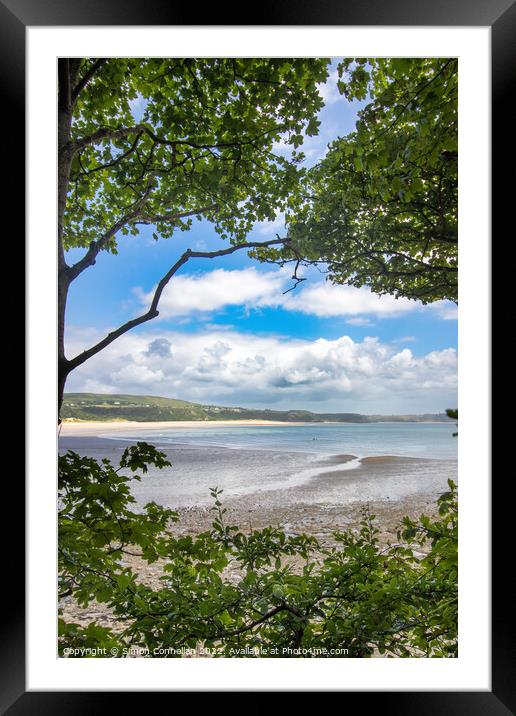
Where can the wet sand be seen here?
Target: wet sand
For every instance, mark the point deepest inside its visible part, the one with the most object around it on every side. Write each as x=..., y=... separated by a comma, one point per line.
x=268, y=479
x=298, y=491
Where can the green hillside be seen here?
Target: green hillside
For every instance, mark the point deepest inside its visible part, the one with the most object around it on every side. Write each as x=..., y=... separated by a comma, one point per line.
x=147, y=408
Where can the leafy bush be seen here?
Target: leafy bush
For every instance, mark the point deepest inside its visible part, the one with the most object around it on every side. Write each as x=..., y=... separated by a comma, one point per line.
x=286, y=596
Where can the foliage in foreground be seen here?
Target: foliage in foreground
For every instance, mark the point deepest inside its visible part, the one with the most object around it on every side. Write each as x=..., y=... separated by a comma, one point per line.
x=349, y=599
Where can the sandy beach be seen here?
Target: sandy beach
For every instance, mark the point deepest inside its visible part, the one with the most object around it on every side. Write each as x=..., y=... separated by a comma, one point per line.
x=93, y=427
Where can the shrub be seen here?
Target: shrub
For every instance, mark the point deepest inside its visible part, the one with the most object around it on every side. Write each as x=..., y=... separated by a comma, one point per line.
x=351, y=599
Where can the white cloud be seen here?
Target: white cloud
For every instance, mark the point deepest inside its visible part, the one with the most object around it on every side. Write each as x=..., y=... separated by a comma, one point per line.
x=231, y=368
x=160, y=347
x=137, y=107
x=446, y=310
x=360, y=322
x=281, y=147
x=270, y=228
x=215, y=290
x=134, y=374
x=326, y=299
x=329, y=91
x=404, y=339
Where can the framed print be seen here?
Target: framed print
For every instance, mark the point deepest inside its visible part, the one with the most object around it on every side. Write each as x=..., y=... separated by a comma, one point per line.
x=248, y=405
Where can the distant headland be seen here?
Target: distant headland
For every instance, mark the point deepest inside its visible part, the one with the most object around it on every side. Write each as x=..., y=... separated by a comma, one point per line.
x=145, y=408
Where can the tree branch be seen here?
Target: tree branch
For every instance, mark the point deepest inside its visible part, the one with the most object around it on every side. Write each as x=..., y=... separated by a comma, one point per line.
x=87, y=77
x=113, y=163
x=257, y=622
x=106, y=133
x=152, y=312
x=96, y=246
x=135, y=217
x=118, y=133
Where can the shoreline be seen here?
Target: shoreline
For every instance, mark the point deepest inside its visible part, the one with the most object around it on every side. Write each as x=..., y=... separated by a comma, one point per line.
x=91, y=428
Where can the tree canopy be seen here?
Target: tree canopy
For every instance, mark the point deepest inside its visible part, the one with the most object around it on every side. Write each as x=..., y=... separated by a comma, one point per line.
x=381, y=206
x=160, y=141
x=203, y=146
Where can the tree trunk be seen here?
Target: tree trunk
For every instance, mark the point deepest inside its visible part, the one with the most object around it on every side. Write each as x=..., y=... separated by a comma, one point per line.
x=62, y=375
x=65, y=154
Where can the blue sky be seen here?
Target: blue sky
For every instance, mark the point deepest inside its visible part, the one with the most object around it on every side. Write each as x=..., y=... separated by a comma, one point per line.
x=228, y=334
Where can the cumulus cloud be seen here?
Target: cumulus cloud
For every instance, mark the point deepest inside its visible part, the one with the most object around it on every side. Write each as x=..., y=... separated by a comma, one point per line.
x=215, y=290
x=231, y=368
x=134, y=374
x=159, y=347
x=326, y=299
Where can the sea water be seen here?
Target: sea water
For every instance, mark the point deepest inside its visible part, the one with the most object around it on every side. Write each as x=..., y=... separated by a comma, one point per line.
x=424, y=440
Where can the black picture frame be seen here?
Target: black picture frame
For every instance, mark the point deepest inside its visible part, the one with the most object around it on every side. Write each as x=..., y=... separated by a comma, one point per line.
x=500, y=15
